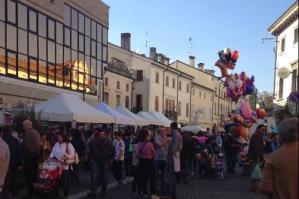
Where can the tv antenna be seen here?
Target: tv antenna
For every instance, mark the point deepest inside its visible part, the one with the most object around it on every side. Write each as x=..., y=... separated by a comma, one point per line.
x=190, y=46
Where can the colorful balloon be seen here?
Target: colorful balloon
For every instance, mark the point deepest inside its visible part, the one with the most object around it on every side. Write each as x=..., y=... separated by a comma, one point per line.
x=245, y=109
x=261, y=113
x=226, y=51
x=235, y=55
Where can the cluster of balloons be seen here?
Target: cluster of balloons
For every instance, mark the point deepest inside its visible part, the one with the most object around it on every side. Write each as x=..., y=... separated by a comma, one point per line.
x=239, y=85
x=227, y=60
x=240, y=122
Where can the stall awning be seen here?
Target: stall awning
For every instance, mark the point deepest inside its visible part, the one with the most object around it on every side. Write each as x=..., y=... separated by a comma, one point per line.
x=164, y=120
x=139, y=121
x=119, y=117
x=149, y=117
x=66, y=108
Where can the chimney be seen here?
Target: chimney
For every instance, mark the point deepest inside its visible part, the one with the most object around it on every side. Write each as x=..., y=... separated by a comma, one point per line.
x=166, y=61
x=191, y=60
x=201, y=66
x=126, y=41
x=153, y=53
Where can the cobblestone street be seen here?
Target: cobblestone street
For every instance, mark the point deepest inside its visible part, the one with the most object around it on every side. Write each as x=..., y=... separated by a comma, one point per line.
x=232, y=187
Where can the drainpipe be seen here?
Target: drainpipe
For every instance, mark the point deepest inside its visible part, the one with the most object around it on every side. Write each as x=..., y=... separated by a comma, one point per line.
x=275, y=67
x=190, y=91
x=163, y=89
x=177, y=92
x=132, y=88
x=219, y=98
x=213, y=109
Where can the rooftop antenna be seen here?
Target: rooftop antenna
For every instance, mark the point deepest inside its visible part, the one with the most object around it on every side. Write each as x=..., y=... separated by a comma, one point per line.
x=146, y=41
x=190, y=46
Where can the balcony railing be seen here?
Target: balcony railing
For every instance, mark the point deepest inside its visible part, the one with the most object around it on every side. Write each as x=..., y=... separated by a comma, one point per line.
x=170, y=114
x=136, y=109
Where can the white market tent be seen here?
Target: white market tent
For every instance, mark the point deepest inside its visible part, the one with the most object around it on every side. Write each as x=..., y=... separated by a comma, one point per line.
x=164, y=120
x=139, y=121
x=119, y=117
x=149, y=117
x=66, y=108
x=193, y=128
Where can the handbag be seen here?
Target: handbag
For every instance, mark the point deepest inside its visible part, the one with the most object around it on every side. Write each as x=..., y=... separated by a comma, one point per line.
x=74, y=159
x=256, y=173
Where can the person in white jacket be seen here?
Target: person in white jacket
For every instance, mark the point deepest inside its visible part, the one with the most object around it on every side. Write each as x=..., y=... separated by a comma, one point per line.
x=64, y=151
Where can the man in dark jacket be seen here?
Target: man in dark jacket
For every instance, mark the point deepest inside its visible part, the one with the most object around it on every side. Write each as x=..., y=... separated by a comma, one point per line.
x=15, y=163
x=101, y=152
x=186, y=156
x=31, y=149
x=232, y=148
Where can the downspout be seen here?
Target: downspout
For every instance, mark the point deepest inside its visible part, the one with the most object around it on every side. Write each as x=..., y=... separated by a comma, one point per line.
x=163, y=89
x=213, y=110
x=132, y=88
x=177, y=94
x=218, y=98
x=190, y=91
x=275, y=67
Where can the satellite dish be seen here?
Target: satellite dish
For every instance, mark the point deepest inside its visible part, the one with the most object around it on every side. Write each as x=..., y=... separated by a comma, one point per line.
x=283, y=72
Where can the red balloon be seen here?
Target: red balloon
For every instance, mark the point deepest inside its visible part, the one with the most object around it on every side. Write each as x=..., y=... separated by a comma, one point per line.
x=235, y=55
x=261, y=113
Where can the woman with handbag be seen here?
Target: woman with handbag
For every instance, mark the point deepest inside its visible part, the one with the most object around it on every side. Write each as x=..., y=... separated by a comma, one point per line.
x=64, y=151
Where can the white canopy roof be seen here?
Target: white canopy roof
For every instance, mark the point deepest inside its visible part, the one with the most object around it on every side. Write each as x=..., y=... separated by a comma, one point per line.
x=66, y=108
x=119, y=117
x=193, y=128
x=139, y=121
x=149, y=117
x=164, y=120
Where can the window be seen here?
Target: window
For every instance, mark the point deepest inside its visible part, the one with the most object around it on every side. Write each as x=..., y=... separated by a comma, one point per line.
x=67, y=15
x=51, y=29
x=81, y=23
x=32, y=20
x=22, y=38
x=74, y=19
x=93, y=67
x=179, y=108
x=99, y=51
x=157, y=77
x=59, y=33
x=51, y=51
x=167, y=81
x=127, y=102
x=282, y=47
x=42, y=25
x=106, y=97
x=156, y=103
x=280, y=94
x=180, y=85
x=2, y=60
x=296, y=35
x=51, y=73
x=127, y=87
x=93, y=48
x=294, y=80
x=117, y=100
x=139, y=102
x=2, y=34
x=99, y=33
x=87, y=26
x=118, y=85
x=11, y=34
x=139, y=75
x=74, y=40
x=2, y=10
x=106, y=81
x=87, y=46
x=187, y=89
x=67, y=36
x=187, y=110
x=22, y=16
x=105, y=36
x=173, y=83
x=93, y=30
x=22, y=67
x=33, y=69
x=104, y=53
x=11, y=63
x=42, y=72
x=42, y=48
x=81, y=43
x=32, y=45
x=11, y=11
x=99, y=69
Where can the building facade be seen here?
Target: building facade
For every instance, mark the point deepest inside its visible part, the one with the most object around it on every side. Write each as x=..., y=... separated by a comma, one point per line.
x=118, y=83
x=285, y=30
x=50, y=47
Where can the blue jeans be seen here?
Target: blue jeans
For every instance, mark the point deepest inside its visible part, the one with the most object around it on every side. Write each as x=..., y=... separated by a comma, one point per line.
x=160, y=169
x=98, y=176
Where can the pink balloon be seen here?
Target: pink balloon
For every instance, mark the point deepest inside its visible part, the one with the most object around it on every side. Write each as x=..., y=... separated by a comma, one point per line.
x=245, y=109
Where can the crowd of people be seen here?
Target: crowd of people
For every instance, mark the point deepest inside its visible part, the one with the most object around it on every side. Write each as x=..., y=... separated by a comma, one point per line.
x=155, y=160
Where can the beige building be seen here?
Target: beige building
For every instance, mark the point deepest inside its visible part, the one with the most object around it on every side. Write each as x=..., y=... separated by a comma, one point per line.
x=118, y=83
x=51, y=47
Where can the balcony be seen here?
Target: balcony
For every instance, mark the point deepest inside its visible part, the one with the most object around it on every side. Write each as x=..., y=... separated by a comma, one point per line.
x=119, y=67
x=170, y=114
x=137, y=109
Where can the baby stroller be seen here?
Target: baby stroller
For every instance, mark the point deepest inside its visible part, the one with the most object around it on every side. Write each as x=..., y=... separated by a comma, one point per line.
x=48, y=179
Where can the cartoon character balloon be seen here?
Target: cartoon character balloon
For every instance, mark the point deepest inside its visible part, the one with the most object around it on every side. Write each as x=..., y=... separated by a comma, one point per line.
x=227, y=60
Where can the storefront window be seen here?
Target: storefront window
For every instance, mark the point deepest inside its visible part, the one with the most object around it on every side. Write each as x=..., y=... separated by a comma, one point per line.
x=42, y=71
x=2, y=61
x=32, y=69
x=11, y=63
x=22, y=16
x=11, y=34
x=2, y=34
x=22, y=38
x=51, y=73
x=22, y=66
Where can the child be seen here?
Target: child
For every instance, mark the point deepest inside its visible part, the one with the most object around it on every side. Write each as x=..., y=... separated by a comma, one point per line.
x=220, y=166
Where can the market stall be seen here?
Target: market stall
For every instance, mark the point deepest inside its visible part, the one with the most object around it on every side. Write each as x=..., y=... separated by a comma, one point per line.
x=139, y=121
